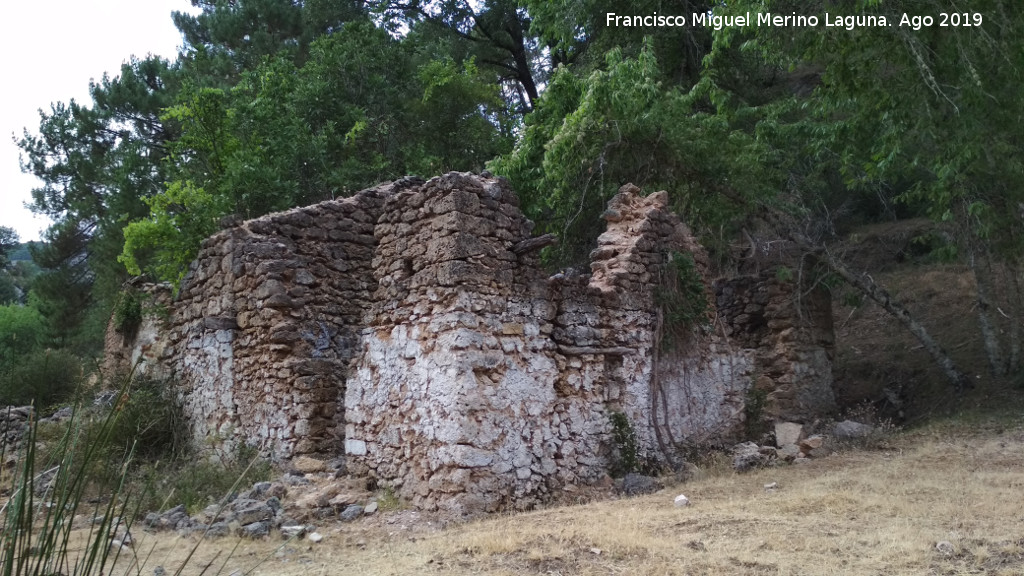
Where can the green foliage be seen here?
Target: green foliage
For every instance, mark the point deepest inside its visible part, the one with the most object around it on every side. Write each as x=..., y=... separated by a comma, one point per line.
x=626, y=458
x=625, y=124
x=784, y=274
x=361, y=106
x=96, y=161
x=37, y=522
x=89, y=467
x=15, y=272
x=127, y=313
x=150, y=423
x=933, y=247
x=8, y=244
x=927, y=118
x=179, y=219
x=21, y=332
x=388, y=501
x=682, y=298
x=43, y=378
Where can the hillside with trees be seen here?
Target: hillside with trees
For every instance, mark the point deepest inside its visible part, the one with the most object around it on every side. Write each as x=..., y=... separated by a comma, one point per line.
x=763, y=136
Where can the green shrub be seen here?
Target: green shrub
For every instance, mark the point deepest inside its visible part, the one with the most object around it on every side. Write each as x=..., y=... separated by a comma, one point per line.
x=21, y=332
x=625, y=459
x=127, y=314
x=149, y=417
x=198, y=482
x=36, y=522
x=43, y=378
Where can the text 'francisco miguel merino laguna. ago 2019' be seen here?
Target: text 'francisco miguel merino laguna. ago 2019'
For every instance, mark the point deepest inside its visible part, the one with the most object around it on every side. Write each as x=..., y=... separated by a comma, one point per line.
x=719, y=21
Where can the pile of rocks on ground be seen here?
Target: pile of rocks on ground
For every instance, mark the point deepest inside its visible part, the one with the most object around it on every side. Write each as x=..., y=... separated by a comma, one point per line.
x=793, y=446
x=13, y=422
x=265, y=507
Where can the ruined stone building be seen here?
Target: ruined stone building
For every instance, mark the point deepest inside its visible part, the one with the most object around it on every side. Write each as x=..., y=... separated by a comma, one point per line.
x=411, y=328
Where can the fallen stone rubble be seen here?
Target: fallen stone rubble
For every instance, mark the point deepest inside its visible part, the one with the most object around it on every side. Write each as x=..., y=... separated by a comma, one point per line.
x=265, y=508
x=791, y=445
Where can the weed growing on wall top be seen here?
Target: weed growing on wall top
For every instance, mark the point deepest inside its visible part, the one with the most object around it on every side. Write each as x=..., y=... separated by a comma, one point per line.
x=127, y=314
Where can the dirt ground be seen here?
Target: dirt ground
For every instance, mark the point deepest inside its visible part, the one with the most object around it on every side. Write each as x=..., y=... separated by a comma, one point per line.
x=945, y=499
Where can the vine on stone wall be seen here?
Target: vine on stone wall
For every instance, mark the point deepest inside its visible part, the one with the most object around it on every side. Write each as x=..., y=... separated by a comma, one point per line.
x=681, y=298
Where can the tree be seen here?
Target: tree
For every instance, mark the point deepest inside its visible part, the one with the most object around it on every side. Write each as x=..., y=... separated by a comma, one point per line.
x=96, y=163
x=8, y=243
x=927, y=118
x=625, y=124
x=363, y=107
x=496, y=33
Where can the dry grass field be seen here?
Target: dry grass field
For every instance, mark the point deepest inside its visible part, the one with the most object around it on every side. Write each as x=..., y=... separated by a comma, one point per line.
x=880, y=511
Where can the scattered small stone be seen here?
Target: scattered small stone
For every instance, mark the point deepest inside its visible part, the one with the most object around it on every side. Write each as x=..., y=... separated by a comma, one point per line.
x=820, y=452
x=256, y=530
x=351, y=513
x=257, y=492
x=249, y=511
x=788, y=452
x=787, y=433
x=850, y=430
x=308, y=465
x=748, y=455
x=293, y=531
x=811, y=443
x=121, y=542
x=218, y=530
x=343, y=500
x=371, y=508
x=681, y=501
x=159, y=571
x=945, y=547
x=595, y=551
x=634, y=484
x=295, y=480
x=315, y=537
x=771, y=486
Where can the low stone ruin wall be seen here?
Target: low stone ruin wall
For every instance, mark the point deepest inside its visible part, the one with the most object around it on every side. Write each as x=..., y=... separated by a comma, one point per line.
x=788, y=328
x=411, y=328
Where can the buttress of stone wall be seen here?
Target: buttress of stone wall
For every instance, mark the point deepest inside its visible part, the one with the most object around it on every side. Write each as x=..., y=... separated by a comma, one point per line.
x=789, y=328
x=453, y=401
x=267, y=321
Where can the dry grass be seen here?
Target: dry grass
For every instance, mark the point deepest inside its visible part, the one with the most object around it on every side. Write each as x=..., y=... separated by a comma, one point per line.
x=852, y=513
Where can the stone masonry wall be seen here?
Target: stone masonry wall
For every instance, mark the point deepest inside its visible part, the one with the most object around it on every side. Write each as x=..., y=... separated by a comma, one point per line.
x=411, y=328
x=789, y=327
x=266, y=322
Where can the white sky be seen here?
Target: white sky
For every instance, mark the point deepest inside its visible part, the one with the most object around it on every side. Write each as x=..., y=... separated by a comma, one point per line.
x=49, y=50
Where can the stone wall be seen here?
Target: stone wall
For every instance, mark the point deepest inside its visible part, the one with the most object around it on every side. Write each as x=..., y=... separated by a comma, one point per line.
x=412, y=325
x=265, y=324
x=788, y=326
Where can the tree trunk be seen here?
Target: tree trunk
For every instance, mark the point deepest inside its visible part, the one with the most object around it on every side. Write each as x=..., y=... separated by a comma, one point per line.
x=989, y=334
x=867, y=286
x=1017, y=312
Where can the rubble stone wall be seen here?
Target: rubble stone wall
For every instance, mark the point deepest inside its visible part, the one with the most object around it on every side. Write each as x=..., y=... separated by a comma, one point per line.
x=788, y=327
x=412, y=329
